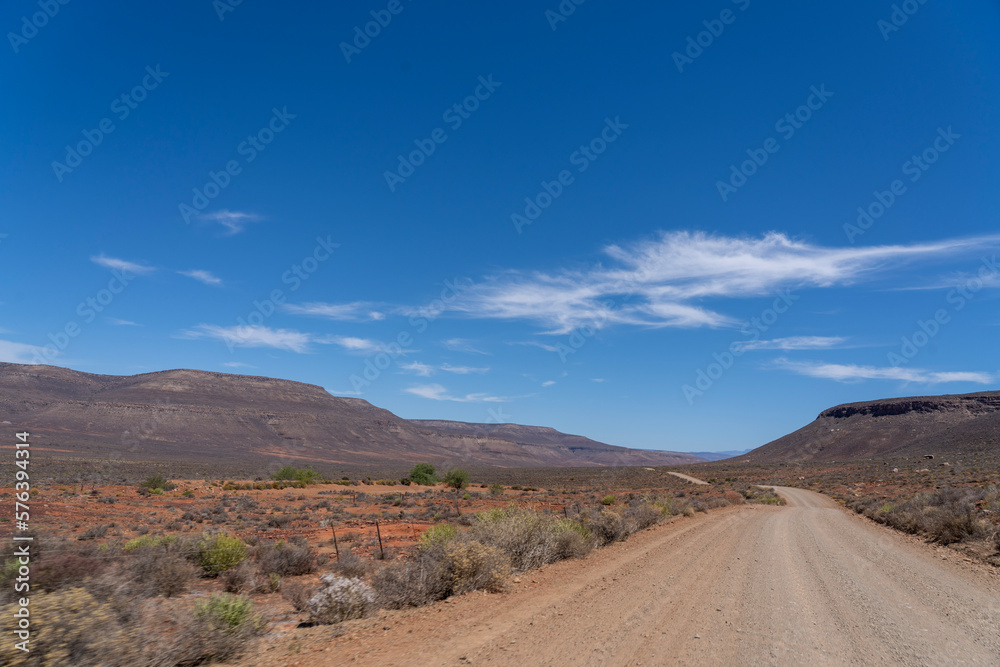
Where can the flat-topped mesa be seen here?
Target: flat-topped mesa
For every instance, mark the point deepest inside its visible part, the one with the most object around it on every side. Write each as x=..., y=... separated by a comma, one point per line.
x=210, y=416
x=959, y=424
x=973, y=403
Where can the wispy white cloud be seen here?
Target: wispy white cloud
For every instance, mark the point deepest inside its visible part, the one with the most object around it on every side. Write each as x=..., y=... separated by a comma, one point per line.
x=855, y=373
x=426, y=370
x=356, y=311
x=357, y=345
x=436, y=392
x=598, y=380
x=122, y=265
x=234, y=221
x=462, y=370
x=253, y=336
x=122, y=323
x=21, y=353
x=661, y=282
x=202, y=276
x=548, y=383
x=533, y=343
x=462, y=345
x=794, y=343
x=237, y=364
x=417, y=368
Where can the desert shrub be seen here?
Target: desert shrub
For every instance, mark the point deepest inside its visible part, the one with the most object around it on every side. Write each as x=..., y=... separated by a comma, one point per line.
x=756, y=495
x=471, y=566
x=94, y=532
x=216, y=553
x=69, y=627
x=496, y=489
x=286, y=559
x=423, y=473
x=246, y=578
x=608, y=500
x=607, y=526
x=156, y=570
x=291, y=474
x=642, y=516
x=147, y=541
x=349, y=565
x=438, y=534
x=528, y=538
x=228, y=613
x=157, y=481
x=340, y=599
x=456, y=478
x=61, y=571
x=408, y=584
x=945, y=516
x=573, y=544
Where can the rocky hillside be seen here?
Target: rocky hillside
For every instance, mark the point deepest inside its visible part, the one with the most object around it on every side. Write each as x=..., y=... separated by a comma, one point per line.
x=205, y=416
x=958, y=423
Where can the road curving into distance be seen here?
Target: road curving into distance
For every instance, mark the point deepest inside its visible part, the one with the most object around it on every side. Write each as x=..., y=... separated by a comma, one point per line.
x=803, y=584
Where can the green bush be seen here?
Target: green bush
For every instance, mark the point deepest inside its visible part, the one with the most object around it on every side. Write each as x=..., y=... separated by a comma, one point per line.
x=302, y=475
x=154, y=482
x=228, y=613
x=608, y=500
x=149, y=541
x=456, y=478
x=219, y=552
x=496, y=489
x=438, y=534
x=423, y=473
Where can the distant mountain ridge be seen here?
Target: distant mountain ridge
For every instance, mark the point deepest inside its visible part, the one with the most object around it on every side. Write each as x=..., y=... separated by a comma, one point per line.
x=208, y=416
x=908, y=426
x=719, y=456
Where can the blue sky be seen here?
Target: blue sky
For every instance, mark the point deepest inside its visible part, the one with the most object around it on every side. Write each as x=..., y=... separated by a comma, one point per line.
x=639, y=224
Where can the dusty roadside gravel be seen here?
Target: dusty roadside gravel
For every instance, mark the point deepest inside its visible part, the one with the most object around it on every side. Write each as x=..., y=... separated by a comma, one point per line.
x=803, y=584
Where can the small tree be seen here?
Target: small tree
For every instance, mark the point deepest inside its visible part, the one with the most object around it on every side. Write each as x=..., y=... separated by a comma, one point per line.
x=456, y=478
x=157, y=482
x=423, y=473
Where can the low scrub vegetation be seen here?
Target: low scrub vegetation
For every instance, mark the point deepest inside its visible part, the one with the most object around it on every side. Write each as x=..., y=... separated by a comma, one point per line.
x=946, y=516
x=305, y=475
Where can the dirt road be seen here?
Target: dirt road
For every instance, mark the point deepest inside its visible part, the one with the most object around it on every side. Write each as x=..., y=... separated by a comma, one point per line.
x=693, y=480
x=804, y=584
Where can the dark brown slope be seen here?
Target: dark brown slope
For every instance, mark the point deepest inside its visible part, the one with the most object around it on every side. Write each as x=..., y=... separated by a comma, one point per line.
x=549, y=444
x=957, y=423
x=204, y=416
